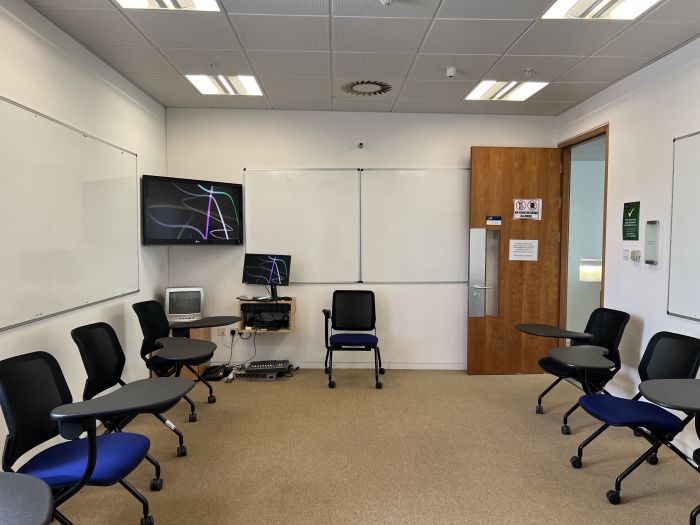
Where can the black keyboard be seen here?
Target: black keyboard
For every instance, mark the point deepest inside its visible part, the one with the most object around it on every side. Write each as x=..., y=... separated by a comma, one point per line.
x=275, y=366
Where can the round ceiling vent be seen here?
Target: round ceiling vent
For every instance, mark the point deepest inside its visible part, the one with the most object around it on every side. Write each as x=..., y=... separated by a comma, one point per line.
x=366, y=87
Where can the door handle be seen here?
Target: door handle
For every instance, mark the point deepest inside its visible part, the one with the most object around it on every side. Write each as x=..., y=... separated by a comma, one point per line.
x=480, y=287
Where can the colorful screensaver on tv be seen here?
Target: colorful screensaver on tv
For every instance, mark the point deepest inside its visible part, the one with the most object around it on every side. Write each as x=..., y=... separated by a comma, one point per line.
x=191, y=212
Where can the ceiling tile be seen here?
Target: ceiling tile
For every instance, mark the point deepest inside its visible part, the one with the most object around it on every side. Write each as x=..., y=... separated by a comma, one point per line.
x=157, y=83
x=374, y=8
x=649, y=39
x=362, y=104
x=542, y=108
x=308, y=64
x=96, y=26
x=297, y=87
x=494, y=9
x=544, y=68
x=486, y=107
x=199, y=61
x=434, y=67
x=301, y=104
x=237, y=102
x=567, y=37
x=283, y=33
x=188, y=30
x=603, y=69
x=276, y=7
x=568, y=91
x=473, y=37
x=74, y=4
x=134, y=59
x=371, y=65
x=395, y=83
x=383, y=35
x=676, y=11
x=182, y=100
x=409, y=105
x=454, y=90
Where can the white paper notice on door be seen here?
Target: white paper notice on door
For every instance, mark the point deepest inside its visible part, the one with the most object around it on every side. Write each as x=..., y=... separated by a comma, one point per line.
x=523, y=250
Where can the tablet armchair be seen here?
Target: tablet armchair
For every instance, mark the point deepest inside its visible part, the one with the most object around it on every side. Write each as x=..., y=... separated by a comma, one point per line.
x=32, y=387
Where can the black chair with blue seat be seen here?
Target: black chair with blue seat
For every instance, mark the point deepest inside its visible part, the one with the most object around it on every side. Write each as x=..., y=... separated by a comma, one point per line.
x=104, y=359
x=36, y=403
x=352, y=311
x=606, y=326
x=154, y=325
x=667, y=356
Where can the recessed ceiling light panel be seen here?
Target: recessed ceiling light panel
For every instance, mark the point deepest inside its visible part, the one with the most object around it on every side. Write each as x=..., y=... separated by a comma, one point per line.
x=512, y=91
x=241, y=85
x=599, y=9
x=176, y=5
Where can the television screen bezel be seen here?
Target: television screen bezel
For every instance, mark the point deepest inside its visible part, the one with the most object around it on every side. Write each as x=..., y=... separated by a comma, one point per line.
x=145, y=241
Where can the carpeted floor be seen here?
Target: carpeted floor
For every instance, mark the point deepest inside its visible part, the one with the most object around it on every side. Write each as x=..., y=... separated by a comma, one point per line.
x=431, y=447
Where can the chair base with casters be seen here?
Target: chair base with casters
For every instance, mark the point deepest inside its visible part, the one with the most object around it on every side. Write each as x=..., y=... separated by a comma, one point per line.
x=352, y=342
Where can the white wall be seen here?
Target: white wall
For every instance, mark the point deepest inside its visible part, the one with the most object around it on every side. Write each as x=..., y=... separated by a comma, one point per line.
x=645, y=112
x=420, y=325
x=41, y=67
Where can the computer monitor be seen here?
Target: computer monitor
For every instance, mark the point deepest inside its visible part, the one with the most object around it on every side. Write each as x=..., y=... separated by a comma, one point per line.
x=183, y=304
x=267, y=269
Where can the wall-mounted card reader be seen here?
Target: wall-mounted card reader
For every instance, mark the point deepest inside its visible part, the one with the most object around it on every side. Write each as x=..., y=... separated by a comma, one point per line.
x=651, y=242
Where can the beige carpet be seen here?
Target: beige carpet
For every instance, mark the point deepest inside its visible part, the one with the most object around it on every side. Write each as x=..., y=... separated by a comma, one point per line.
x=431, y=447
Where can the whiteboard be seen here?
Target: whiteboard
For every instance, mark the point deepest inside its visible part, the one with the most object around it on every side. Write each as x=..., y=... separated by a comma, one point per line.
x=70, y=209
x=312, y=215
x=415, y=225
x=683, y=282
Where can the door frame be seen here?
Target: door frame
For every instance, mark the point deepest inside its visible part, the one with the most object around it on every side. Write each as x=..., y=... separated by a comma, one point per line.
x=565, y=147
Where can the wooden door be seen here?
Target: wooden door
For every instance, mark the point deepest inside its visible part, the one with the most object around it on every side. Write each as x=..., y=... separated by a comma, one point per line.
x=528, y=291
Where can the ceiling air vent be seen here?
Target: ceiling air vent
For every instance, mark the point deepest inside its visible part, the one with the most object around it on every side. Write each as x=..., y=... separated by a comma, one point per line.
x=366, y=88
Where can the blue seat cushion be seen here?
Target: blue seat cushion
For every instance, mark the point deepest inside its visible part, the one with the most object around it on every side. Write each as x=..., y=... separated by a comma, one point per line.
x=621, y=412
x=63, y=464
x=353, y=340
x=557, y=368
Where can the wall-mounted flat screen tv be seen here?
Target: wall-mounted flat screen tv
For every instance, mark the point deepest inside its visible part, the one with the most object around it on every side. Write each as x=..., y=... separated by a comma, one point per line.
x=189, y=211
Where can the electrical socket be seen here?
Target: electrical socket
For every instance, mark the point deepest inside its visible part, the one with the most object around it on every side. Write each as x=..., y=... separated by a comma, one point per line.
x=221, y=332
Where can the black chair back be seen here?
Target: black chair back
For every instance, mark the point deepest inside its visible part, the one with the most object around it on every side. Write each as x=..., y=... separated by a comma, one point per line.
x=607, y=326
x=353, y=310
x=670, y=356
x=31, y=386
x=103, y=357
x=154, y=325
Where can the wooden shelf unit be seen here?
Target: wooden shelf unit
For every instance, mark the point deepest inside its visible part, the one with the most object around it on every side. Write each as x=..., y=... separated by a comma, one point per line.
x=243, y=329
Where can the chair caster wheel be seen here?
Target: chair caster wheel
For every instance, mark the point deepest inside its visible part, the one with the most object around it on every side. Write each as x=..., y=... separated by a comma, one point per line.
x=211, y=399
x=636, y=434
x=565, y=430
x=379, y=385
x=382, y=371
x=156, y=484
x=326, y=370
x=539, y=409
x=576, y=462
x=331, y=384
x=193, y=417
x=653, y=459
x=181, y=451
x=613, y=497
x=147, y=520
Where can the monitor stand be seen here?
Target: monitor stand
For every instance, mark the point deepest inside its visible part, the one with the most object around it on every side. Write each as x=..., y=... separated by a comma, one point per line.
x=272, y=296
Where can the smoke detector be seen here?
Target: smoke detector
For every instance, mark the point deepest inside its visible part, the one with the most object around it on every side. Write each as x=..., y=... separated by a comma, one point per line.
x=386, y=2
x=366, y=87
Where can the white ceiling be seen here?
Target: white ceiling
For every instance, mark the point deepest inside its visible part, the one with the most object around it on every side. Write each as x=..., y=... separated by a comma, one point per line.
x=302, y=51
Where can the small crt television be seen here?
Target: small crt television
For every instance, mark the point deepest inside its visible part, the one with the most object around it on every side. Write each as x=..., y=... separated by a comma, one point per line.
x=183, y=304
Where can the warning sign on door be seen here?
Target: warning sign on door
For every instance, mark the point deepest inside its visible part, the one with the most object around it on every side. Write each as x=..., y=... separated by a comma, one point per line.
x=527, y=209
